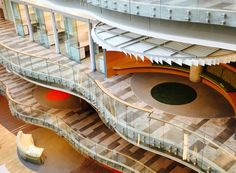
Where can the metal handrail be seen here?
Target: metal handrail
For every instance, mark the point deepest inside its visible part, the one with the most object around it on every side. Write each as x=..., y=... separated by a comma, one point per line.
x=161, y=120
x=9, y=97
x=129, y=105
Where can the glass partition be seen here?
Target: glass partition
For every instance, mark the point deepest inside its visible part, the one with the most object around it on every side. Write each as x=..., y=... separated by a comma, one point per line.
x=216, y=12
x=33, y=21
x=100, y=56
x=40, y=32
x=17, y=14
x=82, y=29
x=71, y=47
x=61, y=32
x=73, y=37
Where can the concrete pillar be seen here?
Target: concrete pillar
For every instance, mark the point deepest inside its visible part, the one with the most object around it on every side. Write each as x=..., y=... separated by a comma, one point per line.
x=55, y=34
x=195, y=72
x=105, y=62
x=30, y=28
x=91, y=48
x=12, y=14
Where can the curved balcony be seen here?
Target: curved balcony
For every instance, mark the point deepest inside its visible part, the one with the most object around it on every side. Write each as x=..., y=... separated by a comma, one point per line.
x=153, y=27
x=99, y=152
x=197, y=11
x=194, y=149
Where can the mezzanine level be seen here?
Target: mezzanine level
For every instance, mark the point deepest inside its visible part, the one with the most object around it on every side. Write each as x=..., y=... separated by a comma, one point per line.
x=46, y=72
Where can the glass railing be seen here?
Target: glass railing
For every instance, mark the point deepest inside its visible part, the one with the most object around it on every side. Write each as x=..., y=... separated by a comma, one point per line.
x=141, y=127
x=214, y=12
x=102, y=154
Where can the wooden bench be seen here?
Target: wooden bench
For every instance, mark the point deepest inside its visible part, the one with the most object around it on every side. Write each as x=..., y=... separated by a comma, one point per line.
x=27, y=150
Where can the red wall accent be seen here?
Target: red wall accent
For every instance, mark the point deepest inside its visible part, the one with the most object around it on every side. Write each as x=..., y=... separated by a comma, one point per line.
x=116, y=59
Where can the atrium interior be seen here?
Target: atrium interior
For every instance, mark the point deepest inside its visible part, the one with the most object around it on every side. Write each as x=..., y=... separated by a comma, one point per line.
x=90, y=86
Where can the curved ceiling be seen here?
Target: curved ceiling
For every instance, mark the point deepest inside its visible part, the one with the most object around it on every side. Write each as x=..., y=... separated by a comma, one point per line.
x=200, y=34
x=159, y=50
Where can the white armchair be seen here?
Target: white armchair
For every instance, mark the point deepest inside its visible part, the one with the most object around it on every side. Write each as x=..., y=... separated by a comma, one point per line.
x=27, y=150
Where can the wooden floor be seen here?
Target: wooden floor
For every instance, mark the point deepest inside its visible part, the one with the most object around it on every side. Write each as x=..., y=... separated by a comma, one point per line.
x=88, y=123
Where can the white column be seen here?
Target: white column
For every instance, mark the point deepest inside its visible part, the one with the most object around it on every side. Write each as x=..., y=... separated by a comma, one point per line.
x=91, y=48
x=12, y=13
x=105, y=62
x=55, y=34
x=195, y=73
x=30, y=28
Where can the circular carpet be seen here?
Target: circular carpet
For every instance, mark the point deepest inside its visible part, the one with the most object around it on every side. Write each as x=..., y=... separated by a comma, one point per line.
x=56, y=99
x=208, y=103
x=173, y=93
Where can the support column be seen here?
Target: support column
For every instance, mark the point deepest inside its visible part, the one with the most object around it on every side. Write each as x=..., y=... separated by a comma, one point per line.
x=30, y=28
x=55, y=34
x=105, y=62
x=195, y=72
x=13, y=16
x=91, y=48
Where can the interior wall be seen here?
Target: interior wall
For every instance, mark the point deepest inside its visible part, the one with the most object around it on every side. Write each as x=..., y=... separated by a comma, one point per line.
x=120, y=60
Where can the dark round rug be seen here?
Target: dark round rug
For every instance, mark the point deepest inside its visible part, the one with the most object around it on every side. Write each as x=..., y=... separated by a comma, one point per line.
x=173, y=93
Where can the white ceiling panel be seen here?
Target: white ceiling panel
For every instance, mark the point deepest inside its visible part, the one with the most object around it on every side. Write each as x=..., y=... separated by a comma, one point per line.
x=157, y=49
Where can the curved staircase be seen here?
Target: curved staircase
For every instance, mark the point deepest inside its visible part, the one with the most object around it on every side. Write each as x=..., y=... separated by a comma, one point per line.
x=138, y=126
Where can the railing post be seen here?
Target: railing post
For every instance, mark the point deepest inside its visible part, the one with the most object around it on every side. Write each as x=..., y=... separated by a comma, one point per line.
x=103, y=104
x=94, y=93
x=90, y=93
x=47, y=67
x=32, y=67
x=114, y=108
x=95, y=149
x=48, y=72
x=18, y=58
x=163, y=138
x=126, y=119
x=149, y=124
x=74, y=77
x=60, y=72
